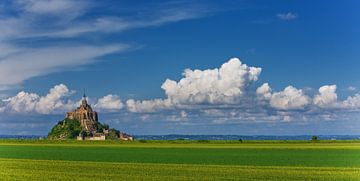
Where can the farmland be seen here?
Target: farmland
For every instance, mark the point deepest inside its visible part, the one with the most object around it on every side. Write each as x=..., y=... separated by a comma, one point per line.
x=39, y=160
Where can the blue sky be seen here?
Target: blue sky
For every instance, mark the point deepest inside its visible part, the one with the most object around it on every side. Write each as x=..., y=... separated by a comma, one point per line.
x=264, y=67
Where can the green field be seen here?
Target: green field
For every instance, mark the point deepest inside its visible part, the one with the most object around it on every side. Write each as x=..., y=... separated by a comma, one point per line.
x=70, y=160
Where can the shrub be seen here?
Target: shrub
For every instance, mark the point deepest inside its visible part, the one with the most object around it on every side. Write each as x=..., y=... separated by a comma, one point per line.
x=314, y=138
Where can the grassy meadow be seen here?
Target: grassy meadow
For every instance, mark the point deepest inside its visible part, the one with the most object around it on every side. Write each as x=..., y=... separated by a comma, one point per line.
x=179, y=160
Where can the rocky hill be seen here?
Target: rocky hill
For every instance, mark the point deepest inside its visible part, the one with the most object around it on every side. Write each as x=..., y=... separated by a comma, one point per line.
x=82, y=124
x=65, y=129
x=71, y=128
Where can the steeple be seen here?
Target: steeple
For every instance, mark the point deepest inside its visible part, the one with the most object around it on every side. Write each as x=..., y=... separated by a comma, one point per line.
x=84, y=96
x=84, y=102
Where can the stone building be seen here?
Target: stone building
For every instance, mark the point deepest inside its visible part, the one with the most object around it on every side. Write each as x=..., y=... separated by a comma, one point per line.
x=125, y=137
x=90, y=126
x=87, y=117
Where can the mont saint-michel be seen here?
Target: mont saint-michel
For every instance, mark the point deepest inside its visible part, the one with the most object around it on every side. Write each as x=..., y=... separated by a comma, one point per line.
x=82, y=124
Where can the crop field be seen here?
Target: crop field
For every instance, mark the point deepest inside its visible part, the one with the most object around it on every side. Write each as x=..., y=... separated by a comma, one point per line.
x=71, y=160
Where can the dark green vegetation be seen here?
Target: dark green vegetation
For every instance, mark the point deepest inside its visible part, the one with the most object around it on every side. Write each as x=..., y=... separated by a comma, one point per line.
x=71, y=128
x=65, y=129
x=38, y=160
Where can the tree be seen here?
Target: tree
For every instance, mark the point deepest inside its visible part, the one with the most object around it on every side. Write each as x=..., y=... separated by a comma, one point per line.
x=314, y=138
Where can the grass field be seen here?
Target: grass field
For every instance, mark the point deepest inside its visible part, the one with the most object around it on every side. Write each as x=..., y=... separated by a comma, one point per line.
x=51, y=160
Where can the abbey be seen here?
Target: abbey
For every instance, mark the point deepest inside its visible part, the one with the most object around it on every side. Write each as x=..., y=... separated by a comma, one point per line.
x=82, y=124
x=87, y=117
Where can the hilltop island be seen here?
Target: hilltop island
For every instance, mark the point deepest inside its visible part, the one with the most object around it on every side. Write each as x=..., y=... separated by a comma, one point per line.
x=82, y=124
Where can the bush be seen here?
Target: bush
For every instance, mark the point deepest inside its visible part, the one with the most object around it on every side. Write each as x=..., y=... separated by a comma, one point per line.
x=314, y=138
x=142, y=141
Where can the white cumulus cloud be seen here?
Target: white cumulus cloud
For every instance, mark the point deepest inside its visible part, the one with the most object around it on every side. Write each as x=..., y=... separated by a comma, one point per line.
x=22, y=102
x=109, y=102
x=264, y=91
x=327, y=96
x=352, y=102
x=288, y=99
x=224, y=85
x=56, y=101
x=25, y=102
x=221, y=85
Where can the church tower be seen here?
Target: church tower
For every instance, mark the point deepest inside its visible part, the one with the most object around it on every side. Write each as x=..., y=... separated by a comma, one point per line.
x=84, y=101
x=84, y=113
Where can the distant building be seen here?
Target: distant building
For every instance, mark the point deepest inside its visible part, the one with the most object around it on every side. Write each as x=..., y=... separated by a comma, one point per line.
x=87, y=117
x=89, y=123
x=125, y=137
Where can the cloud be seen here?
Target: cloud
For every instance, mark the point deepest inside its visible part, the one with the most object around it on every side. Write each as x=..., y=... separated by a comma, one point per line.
x=287, y=16
x=289, y=98
x=213, y=86
x=224, y=85
x=40, y=37
x=52, y=6
x=53, y=100
x=66, y=18
x=237, y=103
x=22, y=102
x=107, y=25
x=352, y=102
x=32, y=18
x=148, y=105
x=181, y=116
x=351, y=88
x=229, y=87
x=109, y=102
x=327, y=96
x=25, y=102
x=29, y=63
x=56, y=101
x=264, y=91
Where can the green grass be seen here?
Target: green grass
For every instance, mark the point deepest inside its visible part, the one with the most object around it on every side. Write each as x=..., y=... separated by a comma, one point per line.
x=216, y=156
x=15, y=169
x=46, y=160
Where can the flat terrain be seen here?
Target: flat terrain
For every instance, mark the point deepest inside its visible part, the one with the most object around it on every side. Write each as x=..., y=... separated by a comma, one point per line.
x=70, y=160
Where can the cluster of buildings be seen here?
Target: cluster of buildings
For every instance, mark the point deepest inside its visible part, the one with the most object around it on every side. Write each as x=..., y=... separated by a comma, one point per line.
x=91, y=127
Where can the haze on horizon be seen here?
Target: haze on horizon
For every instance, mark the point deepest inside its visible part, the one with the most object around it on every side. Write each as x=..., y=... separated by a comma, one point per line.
x=182, y=67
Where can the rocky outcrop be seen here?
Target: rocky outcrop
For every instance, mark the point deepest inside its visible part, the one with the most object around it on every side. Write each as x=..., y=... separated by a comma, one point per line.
x=83, y=124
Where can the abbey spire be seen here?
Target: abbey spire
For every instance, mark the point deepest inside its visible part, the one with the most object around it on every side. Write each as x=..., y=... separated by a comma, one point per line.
x=84, y=101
